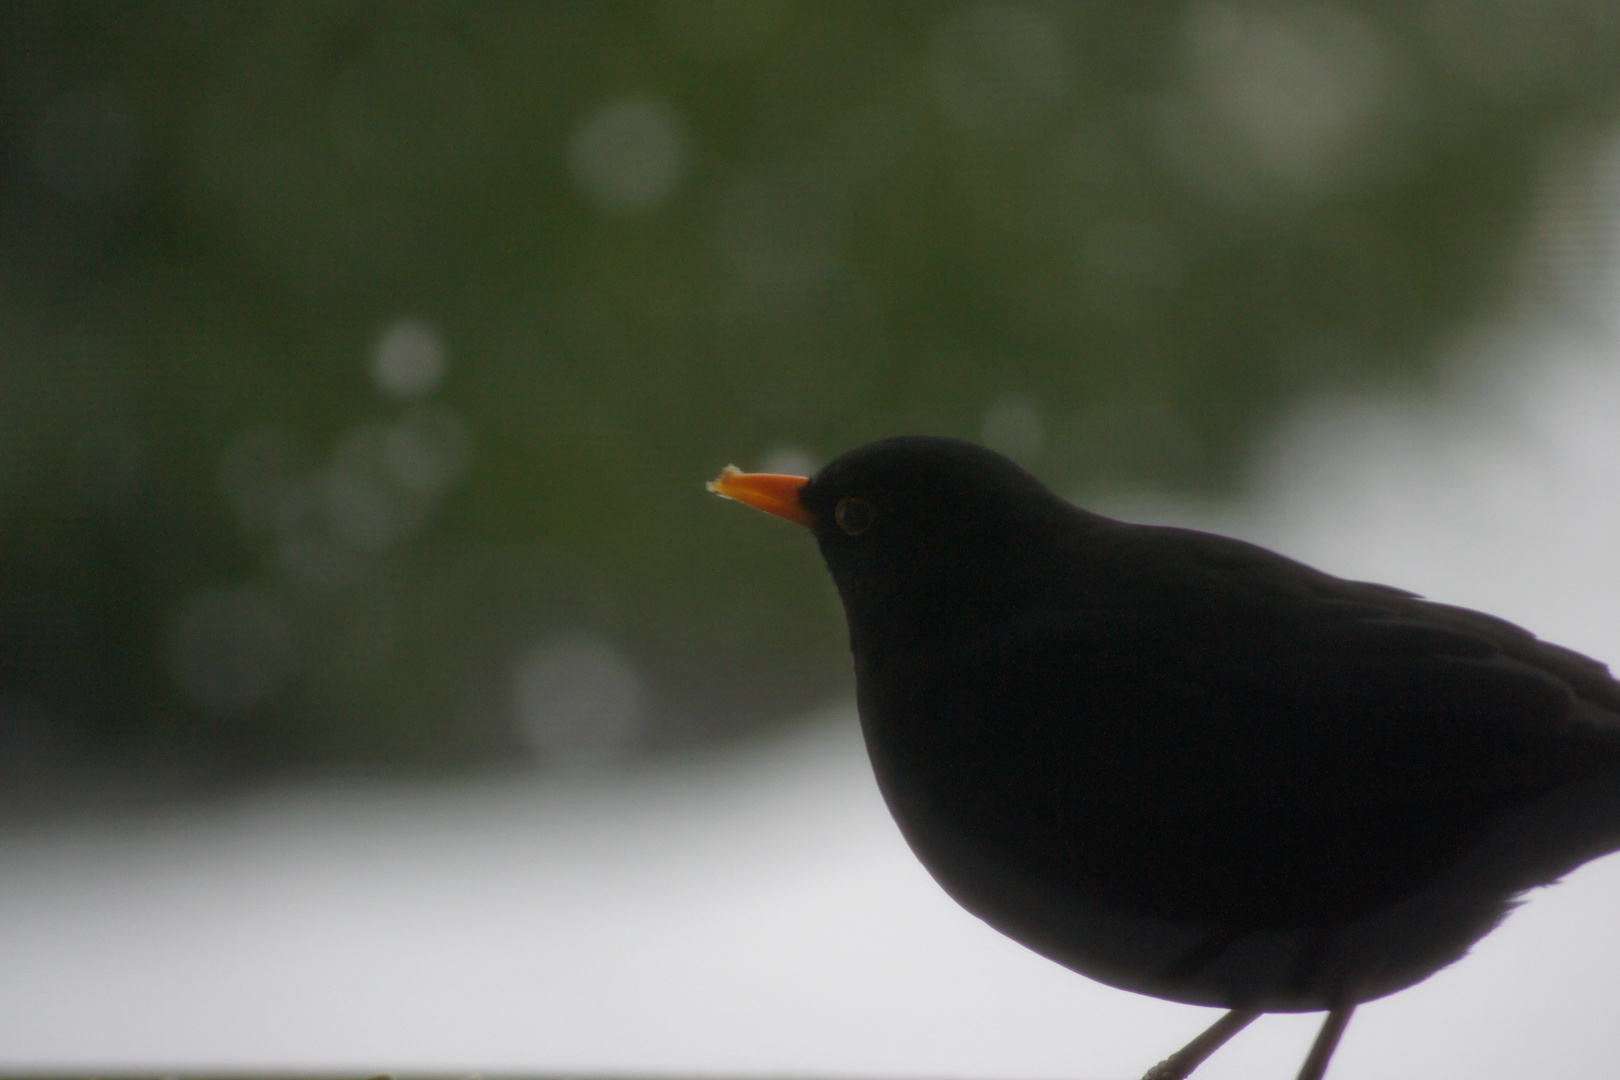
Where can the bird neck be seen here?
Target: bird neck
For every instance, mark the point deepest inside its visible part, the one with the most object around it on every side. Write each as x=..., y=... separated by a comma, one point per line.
x=931, y=611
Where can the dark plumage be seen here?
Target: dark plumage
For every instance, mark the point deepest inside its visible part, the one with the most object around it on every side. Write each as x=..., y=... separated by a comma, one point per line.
x=1187, y=766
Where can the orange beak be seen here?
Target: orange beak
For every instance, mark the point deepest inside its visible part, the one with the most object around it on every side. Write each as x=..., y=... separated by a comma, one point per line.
x=770, y=492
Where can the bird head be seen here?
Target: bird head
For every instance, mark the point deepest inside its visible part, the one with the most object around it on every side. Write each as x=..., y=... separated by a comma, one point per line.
x=916, y=525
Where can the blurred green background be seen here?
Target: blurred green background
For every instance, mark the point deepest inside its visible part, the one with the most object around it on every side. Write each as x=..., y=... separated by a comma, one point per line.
x=361, y=363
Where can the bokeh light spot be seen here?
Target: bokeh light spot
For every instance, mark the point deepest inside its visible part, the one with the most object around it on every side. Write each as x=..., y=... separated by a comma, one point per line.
x=578, y=699
x=409, y=360
x=629, y=156
x=1299, y=98
x=1013, y=426
x=361, y=493
x=787, y=460
x=427, y=451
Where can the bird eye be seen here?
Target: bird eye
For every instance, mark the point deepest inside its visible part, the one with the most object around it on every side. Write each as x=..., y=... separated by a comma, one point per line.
x=854, y=515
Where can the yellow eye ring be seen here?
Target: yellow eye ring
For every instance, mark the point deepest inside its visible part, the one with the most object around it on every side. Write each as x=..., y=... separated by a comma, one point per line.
x=854, y=515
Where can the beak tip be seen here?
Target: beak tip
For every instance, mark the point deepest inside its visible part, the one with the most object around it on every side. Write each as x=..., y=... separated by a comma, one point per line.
x=718, y=484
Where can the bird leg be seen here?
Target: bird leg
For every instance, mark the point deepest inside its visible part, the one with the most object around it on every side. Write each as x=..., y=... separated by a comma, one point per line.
x=1179, y=1064
x=1316, y=1062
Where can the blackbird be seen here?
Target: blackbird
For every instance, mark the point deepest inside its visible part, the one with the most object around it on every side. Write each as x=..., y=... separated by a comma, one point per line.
x=1187, y=766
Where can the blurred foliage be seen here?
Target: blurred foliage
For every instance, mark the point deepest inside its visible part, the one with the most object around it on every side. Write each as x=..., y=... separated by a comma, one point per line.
x=362, y=362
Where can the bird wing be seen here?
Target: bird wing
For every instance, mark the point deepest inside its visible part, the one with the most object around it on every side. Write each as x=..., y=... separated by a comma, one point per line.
x=1241, y=675
x=1212, y=733
x=1252, y=776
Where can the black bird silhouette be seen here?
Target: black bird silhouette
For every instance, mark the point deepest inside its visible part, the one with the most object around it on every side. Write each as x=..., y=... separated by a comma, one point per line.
x=1185, y=765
